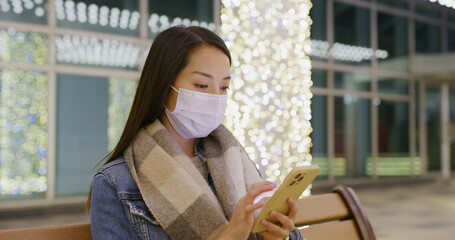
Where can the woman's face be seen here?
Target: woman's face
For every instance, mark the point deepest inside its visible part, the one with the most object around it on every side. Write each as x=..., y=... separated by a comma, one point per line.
x=207, y=71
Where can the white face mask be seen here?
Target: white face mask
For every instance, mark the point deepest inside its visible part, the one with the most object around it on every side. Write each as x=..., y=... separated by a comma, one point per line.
x=196, y=114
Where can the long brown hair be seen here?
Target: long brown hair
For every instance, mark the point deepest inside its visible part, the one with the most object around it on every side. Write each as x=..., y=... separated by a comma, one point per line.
x=167, y=57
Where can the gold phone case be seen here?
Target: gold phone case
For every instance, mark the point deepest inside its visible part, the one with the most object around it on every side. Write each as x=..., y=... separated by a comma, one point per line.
x=292, y=186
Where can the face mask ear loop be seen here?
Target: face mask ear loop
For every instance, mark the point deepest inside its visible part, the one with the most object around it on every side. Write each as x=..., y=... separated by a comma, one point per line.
x=175, y=89
x=167, y=110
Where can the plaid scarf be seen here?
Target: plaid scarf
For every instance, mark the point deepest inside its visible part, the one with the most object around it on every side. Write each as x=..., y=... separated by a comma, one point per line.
x=177, y=194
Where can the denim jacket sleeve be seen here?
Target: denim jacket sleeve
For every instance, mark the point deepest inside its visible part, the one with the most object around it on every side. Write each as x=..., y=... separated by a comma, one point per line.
x=119, y=214
x=107, y=217
x=295, y=235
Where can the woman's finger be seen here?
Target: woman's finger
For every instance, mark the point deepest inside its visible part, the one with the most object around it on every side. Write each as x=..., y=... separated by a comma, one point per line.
x=274, y=229
x=249, y=209
x=285, y=222
x=257, y=189
x=293, y=208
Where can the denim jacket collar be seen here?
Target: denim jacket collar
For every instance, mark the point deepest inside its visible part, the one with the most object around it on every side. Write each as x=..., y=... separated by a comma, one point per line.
x=199, y=149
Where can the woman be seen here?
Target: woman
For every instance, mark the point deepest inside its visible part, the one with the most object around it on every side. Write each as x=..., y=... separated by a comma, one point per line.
x=176, y=172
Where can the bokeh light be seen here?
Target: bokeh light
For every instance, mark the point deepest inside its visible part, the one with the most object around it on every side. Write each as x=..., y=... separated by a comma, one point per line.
x=19, y=7
x=96, y=15
x=269, y=107
x=121, y=95
x=96, y=52
x=158, y=23
x=447, y=3
x=23, y=132
x=23, y=47
x=344, y=52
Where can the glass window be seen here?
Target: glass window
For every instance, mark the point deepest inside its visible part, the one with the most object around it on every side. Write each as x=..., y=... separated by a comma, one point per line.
x=393, y=140
x=392, y=42
x=24, y=11
x=108, y=16
x=91, y=113
x=417, y=119
x=23, y=47
x=451, y=16
x=352, y=81
x=319, y=77
x=452, y=126
x=395, y=3
x=319, y=44
x=352, y=134
x=352, y=34
x=165, y=13
x=451, y=40
x=23, y=134
x=393, y=85
x=433, y=122
x=319, y=17
x=319, y=133
x=91, y=51
x=427, y=9
x=428, y=37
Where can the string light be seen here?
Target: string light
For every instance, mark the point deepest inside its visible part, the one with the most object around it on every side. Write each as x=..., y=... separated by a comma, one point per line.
x=23, y=132
x=23, y=110
x=94, y=14
x=344, y=52
x=23, y=115
x=269, y=107
x=446, y=3
x=158, y=23
x=23, y=47
x=23, y=7
x=121, y=95
x=92, y=51
x=119, y=18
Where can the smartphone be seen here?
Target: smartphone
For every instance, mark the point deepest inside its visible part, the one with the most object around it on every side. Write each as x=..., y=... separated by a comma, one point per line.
x=292, y=186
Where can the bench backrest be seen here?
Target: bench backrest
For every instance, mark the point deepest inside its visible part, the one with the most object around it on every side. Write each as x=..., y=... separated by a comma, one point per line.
x=336, y=215
x=68, y=232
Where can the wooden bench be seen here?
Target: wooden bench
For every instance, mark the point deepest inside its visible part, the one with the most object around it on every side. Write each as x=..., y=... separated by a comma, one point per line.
x=67, y=232
x=336, y=215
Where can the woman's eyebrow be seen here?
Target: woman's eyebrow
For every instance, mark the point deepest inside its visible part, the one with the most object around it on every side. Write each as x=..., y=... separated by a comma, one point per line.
x=210, y=76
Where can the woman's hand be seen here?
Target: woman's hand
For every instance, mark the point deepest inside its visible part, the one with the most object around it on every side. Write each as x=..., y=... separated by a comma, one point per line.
x=285, y=223
x=242, y=219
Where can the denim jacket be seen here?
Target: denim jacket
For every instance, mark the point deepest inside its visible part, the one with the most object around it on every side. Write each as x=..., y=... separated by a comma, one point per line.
x=117, y=209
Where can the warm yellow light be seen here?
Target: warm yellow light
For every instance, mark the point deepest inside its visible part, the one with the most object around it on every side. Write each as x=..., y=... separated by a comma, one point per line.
x=23, y=133
x=269, y=109
x=121, y=95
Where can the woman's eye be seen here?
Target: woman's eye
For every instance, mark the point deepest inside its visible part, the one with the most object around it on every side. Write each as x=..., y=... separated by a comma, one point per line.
x=225, y=87
x=201, y=86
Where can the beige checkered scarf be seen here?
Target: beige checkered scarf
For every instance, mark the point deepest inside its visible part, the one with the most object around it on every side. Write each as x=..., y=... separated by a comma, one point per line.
x=174, y=190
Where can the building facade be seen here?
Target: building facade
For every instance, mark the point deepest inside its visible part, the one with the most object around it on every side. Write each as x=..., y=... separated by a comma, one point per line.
x=382, y=73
